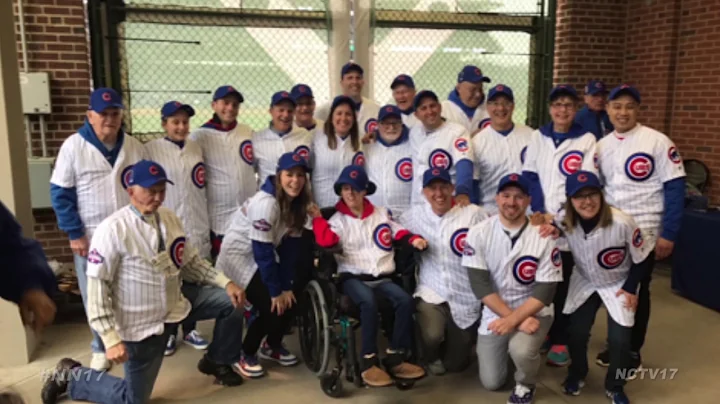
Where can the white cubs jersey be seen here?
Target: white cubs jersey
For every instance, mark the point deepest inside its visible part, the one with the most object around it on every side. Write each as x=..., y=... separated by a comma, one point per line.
x=410, y=119
x=441, y=274
x=268, y=146
x=633, y=167
x=366, y=115
x=603, y=259
x=327, y=164
x=391, y=169
x=497, y=155
x=257, y=219
x=443, y=147
x=319, y=127
x=101, y=188
x=454, y=113
x=513, y=269
x=229, y=171
x=186, y=169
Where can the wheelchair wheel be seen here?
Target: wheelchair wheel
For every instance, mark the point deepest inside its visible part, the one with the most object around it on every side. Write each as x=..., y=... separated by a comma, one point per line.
x=332, y=384
x=314, y=330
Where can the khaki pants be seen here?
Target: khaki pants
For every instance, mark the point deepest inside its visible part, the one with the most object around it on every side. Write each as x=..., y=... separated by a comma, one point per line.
x=442, y=338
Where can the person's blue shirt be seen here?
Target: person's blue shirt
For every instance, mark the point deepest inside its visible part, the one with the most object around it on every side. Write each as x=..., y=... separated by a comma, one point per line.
x=597, y=123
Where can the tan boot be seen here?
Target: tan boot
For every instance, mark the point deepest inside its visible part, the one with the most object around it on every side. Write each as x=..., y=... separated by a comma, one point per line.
x=376, y=377
x=407, y=370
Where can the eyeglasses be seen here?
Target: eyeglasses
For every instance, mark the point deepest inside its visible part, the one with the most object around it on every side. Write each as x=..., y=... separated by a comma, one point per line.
x=562, y=105
x=586, y=196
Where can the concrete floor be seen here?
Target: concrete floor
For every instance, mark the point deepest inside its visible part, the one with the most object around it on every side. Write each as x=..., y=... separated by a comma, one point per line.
x=682, y=336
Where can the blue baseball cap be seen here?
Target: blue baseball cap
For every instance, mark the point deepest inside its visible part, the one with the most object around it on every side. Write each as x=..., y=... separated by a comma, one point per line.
x=351, y=67
x=357, y=178
x=579, y=180
x=389, y=110
x=595, y=87
x=291, y=160
x=104, y=98
x=301, y=90
x=343, y=99
x=224, y=91
x=424, y=94
x=281, y=96
x=516, y=180
x=501, y=89
x=436, y=173
x=472, y=74
x=624, y=89
x=146, y=173
x=172, y=107
x=403, y=80
x=563, y=89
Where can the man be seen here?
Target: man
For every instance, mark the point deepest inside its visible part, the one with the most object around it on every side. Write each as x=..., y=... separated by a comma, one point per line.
x=446, y=306
x=305, y=109
x=138, y=262
x=403, y=92
x=229, y=161
x=514, y=272
x=499, y=148
x=352, y=82
x=593, y=116
x=644, y=176
x=436, y=143
x=88, y=184
x=466, y=103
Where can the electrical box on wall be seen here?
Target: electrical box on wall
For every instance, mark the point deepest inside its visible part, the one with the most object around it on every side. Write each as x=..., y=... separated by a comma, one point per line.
x=35, y=90
x=40, y=170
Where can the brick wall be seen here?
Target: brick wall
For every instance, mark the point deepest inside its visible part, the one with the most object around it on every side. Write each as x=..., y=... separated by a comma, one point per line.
x=57, y=44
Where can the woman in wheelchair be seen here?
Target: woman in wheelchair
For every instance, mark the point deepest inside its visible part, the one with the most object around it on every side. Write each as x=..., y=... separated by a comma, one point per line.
x=365, y=233
x=273, y=217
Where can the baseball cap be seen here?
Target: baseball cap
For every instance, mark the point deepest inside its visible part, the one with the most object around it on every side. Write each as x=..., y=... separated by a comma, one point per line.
x=146, y=173
x=224, y=91
x=436, y=173
x=172, y=107
x=579, y=180
x=357, y=178
x=301, y=90
x=424, y=94
x=563, y=89
x=351, y=67
x=389, y=110
x=472, y=74
x=624, y=89
x=595, y=87
x=281, y=96
x=404, y=80
x=343, y=99
x=291, y=160
x=516, y=180
x=104, y=98
x=501, y=89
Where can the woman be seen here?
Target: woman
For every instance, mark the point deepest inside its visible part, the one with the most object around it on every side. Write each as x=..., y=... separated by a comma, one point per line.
x=272, y=218
x=338, y=146
x=365, y=268
x=610, y=260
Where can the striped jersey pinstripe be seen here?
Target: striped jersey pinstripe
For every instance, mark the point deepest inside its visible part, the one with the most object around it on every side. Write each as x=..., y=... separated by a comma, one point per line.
x=390, y=168
x=268, y=146
x=453, y=113
x=327, y=164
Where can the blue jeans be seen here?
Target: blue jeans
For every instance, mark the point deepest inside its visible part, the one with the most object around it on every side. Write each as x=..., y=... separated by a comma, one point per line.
x=96, y=345
x=146, y=356
x=364, y=297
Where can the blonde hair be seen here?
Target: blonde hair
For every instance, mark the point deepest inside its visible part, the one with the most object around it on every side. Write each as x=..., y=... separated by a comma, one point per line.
x=572, y=217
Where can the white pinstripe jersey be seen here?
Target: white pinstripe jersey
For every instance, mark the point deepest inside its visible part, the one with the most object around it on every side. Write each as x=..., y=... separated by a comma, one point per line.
x=186, y=169
x=268, y=146
x=443, y=148
x=366, y=243
x=513, y=269
x=366, y=116
x=391, y=169
x=441, y=273
x=258, y=219
x=410, y=120
x=133, y=288
x=318, y=128
x=453, y=113
x=497, y=155
x=327, y=164
x=229, y=171
x=100, y=188
x=634, y=168
x=603, y=259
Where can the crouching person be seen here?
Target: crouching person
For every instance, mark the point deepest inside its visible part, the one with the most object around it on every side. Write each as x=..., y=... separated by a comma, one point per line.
x=366, y=266
x=137, y=263
x=514, y=271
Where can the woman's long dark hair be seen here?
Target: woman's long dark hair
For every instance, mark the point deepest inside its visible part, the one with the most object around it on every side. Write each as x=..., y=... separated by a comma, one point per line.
x=354, y=131
x=572, y=217
x=293, y=212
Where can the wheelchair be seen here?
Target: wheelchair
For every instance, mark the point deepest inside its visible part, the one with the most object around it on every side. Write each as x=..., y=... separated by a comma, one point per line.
x=327, y=327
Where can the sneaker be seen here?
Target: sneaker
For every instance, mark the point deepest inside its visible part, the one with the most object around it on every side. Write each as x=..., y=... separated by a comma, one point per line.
x=407, y=370
x=376, y=377
x=249, y=366
x=603, y=358
x=618, y=397
x=636, y=364
x=55, y=384
x=521, y=395
x=558, y=356
x=545, y=347
x=224, y=374
x=279, y=355
x=437, y=368
x=171, y=345
x=572, y=387
x=99, y=362
x=195, y=340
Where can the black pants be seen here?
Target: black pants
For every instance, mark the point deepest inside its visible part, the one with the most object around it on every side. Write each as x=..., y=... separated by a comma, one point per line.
x=642, y=314
x=558, y=333
x=267, y=323
x=579, y=326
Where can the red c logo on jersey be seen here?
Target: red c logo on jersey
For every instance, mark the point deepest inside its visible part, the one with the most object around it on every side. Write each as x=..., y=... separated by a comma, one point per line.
x=303, y=151
x=246, y=152
x=177, y=248
x=571, y=162
x=457, y=241
x=673, y=155
x=461, y=145
x=524, y=269
x=440, y=158
x=359, y=159
x=126, y=177
x=555, y=257
x=371, y=125
x=639, y=166
x=198, y=175
x=404, y=169
x=611, y=258
x=383, y=237
x=637, y=238
x=484, y=123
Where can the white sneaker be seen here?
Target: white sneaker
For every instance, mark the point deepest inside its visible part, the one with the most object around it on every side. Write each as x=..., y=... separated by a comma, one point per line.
x=100, y=362
x=437, y=368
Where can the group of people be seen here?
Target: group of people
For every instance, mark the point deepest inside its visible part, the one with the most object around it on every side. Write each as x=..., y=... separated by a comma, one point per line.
x=522, y=234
